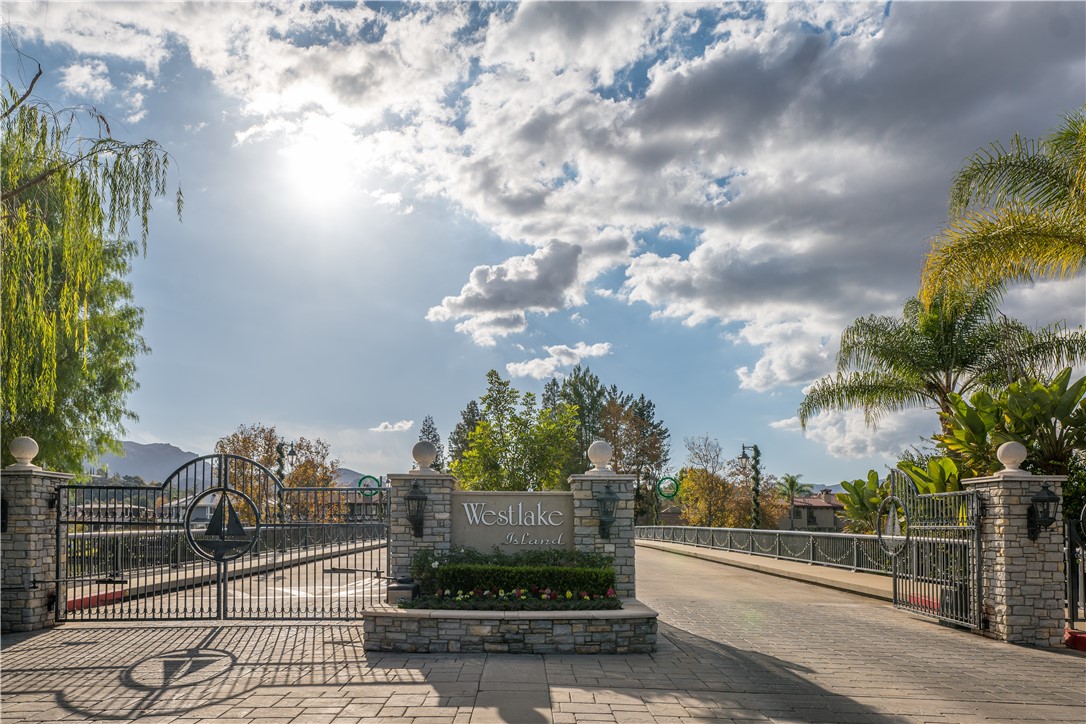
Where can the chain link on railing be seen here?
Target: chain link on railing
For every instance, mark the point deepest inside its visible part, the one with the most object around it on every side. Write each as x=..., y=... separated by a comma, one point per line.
x=839, y=550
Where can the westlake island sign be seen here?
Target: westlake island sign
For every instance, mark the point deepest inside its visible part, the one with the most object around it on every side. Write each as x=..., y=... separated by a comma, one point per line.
x=511, y=521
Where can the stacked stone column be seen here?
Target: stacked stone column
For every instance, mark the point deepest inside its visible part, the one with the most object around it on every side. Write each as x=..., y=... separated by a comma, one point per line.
x=586, y=519
x=28, y=567
x=437, y=516
x=1023, y=582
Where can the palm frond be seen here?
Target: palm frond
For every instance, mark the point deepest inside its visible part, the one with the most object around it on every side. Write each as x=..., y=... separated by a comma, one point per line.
x=1025, y=173
x=875, y=393
x=982, y=250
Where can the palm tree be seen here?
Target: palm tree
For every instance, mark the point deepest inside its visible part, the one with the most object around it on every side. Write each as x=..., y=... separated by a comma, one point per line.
x=790, y=486
x=1017, y=214
x=958, y=344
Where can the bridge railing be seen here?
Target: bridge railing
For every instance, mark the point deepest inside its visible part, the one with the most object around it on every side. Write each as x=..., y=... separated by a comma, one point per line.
x=840, y=550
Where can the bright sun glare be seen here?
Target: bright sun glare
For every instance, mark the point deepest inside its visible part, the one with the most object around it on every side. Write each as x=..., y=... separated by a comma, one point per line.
x=319, y=165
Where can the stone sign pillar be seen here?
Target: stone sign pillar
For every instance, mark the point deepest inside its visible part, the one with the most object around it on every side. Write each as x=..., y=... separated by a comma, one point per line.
x=1022, y=581
x=586, y=521
x=28, y=567
x=436, y=524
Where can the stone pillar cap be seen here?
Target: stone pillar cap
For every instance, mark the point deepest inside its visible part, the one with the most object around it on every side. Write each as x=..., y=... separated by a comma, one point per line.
x=599, y=453
x=1012, y=455
x=424, y=454
x=23, y=449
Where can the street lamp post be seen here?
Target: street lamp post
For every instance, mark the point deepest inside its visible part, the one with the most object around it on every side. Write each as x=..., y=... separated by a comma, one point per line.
x=281, y=456
x=754, y=462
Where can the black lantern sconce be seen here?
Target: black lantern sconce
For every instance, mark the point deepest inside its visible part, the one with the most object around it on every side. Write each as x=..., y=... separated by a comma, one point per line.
x=1042, y=511
x=606, y=502
x=416, y=505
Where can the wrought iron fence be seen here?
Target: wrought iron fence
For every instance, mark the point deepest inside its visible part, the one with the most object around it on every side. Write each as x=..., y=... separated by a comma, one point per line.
x=840, y=550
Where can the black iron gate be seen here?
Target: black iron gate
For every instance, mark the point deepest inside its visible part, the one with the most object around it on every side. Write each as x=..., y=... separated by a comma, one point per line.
x=222, y=538
x=934, y=542
x=1075, y=548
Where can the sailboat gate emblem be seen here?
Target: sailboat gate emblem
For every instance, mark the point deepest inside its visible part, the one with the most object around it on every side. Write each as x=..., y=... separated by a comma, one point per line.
x=225, y=537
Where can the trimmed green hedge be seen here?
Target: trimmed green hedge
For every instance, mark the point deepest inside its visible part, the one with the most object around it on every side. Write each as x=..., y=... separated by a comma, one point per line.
x=469, y=576
x=429, y=569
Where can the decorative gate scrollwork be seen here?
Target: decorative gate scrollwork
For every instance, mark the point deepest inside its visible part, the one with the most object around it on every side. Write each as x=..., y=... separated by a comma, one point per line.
x=222, y=538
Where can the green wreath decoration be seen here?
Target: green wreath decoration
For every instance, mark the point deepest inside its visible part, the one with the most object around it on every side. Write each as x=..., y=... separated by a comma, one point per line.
x=667, y=488
x=369, y=491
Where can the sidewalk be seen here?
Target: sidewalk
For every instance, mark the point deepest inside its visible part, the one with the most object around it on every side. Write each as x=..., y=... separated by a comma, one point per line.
x=841, y=579
x=735, y=645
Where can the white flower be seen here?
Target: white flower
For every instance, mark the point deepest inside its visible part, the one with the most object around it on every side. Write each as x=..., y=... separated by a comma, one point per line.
x=435, y=564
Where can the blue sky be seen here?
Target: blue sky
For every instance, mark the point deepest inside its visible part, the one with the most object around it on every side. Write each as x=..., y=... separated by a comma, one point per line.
x=384, y=201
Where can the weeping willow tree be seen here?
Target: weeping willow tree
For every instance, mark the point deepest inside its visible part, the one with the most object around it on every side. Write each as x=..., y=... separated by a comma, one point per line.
x=69, y=331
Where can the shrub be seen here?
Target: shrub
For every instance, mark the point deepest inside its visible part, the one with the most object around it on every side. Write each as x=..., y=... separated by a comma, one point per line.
x=535, y=580
x=427, y=567
x=470, y=576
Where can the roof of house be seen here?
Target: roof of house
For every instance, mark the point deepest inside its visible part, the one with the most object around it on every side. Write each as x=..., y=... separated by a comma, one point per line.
x=817, y=501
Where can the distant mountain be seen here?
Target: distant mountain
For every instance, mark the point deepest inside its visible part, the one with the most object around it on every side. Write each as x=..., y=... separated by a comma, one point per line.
x=156, y=461
x=348, y=476
x=153, y=462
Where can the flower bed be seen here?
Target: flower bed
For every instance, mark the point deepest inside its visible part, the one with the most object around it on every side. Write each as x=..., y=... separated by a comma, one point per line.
x=519, y=599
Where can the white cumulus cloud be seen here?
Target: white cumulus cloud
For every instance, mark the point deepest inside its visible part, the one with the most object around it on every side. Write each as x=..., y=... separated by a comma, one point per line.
x=558, y=356
x=86, y=80
x=401, y=426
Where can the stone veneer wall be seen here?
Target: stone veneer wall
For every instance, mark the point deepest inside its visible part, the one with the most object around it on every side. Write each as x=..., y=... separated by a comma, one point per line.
x=437, y=525
x=631, y=630
x=586, y=524
x=29, y=549
x=1023, y=581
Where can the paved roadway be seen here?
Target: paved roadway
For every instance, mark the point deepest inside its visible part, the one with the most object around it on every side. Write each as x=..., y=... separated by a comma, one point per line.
x=735, y=645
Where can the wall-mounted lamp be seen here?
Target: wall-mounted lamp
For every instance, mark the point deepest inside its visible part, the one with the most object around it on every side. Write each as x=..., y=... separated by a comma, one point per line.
x=606, y=502
x=1042, y=511
x=416, y=505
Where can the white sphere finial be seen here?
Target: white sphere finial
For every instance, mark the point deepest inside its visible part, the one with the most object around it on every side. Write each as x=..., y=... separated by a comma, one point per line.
x=424, y=453
x=24, y=450
x=1012, y=455
x=599, y=453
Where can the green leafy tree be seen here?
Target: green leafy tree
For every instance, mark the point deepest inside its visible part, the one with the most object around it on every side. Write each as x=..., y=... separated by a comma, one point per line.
x=515, y=445
x=69, y=333
x=428, y=432
x=789, y=487
x=458, y=438
x=1017, y=213
x=862, y=499
x=952, y=346
x=940, y=476
x=1049, y=418
x=584, y=392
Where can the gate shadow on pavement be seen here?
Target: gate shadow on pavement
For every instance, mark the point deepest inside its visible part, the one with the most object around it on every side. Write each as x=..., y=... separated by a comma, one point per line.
x=257, y=671
x=128, y=672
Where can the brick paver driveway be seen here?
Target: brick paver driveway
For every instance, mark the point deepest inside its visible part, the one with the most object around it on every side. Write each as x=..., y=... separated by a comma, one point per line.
x=734, y=646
